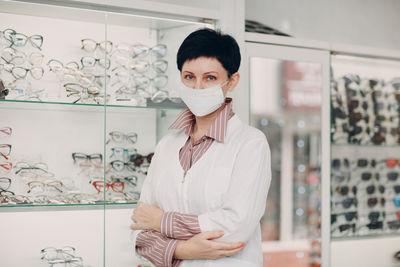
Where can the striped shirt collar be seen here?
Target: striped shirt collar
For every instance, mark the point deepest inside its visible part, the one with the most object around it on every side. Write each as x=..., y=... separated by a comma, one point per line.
x=186, y=121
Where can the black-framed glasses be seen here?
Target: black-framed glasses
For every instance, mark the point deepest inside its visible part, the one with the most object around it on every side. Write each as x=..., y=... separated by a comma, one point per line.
x=81, y=157
x=90, y=45
x=119, y=165
x=347, y=227
x=365, y=162
x=375, y=225
x=19, y=40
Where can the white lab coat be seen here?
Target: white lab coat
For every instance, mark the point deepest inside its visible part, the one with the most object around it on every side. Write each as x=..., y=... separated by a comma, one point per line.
x=227, y=187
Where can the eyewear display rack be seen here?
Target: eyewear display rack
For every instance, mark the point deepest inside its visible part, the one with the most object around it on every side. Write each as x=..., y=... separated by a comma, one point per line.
x=90, y=91
x=367, y=150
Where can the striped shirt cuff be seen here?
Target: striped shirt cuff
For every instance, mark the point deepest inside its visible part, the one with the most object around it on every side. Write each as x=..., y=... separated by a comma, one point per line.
x=157, y=248
x=179, y=226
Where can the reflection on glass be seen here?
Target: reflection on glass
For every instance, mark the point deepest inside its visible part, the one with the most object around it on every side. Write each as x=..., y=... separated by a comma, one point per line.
x=285, y=105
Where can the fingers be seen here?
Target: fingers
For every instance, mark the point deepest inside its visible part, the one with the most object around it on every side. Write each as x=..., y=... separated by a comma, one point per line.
x=228, y=246
x=226, y=253
x=211, y=234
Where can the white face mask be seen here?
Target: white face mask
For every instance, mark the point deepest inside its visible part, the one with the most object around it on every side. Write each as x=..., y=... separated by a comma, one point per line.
x=202, y=102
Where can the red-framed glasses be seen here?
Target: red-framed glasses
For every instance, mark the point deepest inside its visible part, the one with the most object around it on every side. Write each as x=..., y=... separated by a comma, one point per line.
x=116, y=186
x=5, y=131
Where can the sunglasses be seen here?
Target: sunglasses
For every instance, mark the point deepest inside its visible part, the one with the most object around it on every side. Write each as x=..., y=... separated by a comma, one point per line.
x=138, y=159
x=344, y=190
x=337, y=163
x=348, y=202
x=375, y=225
x=374, y=216
x=391, y=163
x=364, y=163
x=366, y=176
x=396, y=189
x=349, y=216
x=392, y=176
x=338, y=113
x=356, y=117
x=394, y=225
x=371, y=189
x=396, y=201
x=373, y=201
x=345, y=227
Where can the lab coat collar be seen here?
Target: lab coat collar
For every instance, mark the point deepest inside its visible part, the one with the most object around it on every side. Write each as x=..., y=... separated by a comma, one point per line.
x=217, y=131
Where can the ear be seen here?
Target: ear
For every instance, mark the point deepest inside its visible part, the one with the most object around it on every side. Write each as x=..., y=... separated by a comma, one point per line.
x=234, y=80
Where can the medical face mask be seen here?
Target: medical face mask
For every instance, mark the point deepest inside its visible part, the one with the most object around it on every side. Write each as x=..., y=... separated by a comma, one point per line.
x=202, y=102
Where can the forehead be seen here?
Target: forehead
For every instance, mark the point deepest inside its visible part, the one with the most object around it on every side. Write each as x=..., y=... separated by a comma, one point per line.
x=203, y=64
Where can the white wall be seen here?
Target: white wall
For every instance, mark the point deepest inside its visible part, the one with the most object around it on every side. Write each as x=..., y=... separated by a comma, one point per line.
x=360, y=22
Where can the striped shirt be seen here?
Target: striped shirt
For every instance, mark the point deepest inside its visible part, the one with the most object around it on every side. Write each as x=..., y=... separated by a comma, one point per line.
x=158, y=247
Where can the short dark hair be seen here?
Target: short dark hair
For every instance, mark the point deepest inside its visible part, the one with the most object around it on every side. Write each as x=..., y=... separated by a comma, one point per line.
x=210, y=43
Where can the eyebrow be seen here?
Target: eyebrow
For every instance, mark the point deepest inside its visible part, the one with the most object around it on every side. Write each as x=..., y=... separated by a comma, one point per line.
x=208, y=72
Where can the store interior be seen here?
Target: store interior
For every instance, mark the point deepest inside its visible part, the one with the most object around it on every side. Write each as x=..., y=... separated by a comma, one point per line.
x=89, y=88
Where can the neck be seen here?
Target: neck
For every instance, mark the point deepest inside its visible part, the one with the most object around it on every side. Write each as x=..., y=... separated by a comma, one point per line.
x=203, y=123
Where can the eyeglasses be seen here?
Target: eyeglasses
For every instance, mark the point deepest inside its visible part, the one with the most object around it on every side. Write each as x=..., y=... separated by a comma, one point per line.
x=73, y=262
x=19, y=40
x=373, y=216
x=396, y=201
x=391, y=163
x=366, y=176
x=158, y=51
x=12, y=56
x=119, y=165
x=5, y=150
x=373, y=201
x=90, y=62
x=394, y=225
x=375, y=225
x=138, y=159
x=6, y=35
x=77, y=89
x=143, y=82
x=81, y=157
x=57, y=66
x=366, y=162
x=51, y=253
x=5, y=167
x=90, y=45
x=116, y=186
x=41, y=187
x=33, y=170
x=20, y=72
x=344, y=190
x=349, y=216
x=337, y=163
x=356, y=117
x=5, y=183
x=371, y=189
x=121, y=152
x=120, y=137
x=348, y=202
x=396, y=189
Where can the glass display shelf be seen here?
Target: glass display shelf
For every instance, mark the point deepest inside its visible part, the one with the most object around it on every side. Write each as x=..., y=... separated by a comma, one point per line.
x=365, y=146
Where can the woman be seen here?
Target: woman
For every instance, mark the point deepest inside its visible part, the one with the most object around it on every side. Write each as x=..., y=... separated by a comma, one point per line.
x=206, y=188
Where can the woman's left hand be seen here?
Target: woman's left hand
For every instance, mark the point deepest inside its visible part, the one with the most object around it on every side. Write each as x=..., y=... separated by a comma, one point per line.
x=146, y=217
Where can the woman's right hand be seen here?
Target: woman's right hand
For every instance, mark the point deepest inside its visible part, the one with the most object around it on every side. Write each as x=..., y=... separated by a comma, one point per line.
x=201, y=246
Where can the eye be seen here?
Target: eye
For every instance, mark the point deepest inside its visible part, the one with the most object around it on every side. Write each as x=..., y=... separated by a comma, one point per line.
x=211, y=78
x=188, y=77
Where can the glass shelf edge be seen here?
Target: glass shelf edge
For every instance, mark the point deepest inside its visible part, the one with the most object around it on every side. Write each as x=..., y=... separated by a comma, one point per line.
x=362, y=237
x=366, y=145
x=53, y=207
x=149, y=106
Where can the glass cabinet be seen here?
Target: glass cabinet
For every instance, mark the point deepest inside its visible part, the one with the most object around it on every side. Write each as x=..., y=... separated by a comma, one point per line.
x=365, y=138
x=86, y=96
x=286, y=89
